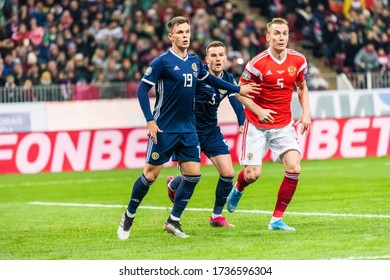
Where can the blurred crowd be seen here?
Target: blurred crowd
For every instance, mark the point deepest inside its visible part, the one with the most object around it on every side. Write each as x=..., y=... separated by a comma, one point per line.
x=349, y=35
x=102, y=41
x=70, y=42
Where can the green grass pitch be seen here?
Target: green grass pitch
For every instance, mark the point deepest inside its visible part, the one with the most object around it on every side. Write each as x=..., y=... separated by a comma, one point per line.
x=340, y=210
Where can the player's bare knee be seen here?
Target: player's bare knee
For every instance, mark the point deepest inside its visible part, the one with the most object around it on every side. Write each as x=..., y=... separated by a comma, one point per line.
x=227, y=173
x=293, y=168
x=150, y=177
x=252, y=175
x=252, y=179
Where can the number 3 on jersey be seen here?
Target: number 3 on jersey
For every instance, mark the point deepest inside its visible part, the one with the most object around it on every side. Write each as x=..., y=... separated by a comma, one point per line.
x=280, y=83
x=187, y=80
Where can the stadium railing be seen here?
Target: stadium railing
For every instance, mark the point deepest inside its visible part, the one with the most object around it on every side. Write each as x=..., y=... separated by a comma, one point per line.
x=68, y=92
x=357, y=81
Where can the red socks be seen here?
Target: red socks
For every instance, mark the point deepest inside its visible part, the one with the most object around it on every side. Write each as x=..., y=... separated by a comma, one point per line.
x=285, y=194
x=241, y=182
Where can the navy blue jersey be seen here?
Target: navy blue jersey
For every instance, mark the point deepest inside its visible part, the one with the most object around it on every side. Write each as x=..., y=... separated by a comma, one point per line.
x=207, y=101
x=175, y=80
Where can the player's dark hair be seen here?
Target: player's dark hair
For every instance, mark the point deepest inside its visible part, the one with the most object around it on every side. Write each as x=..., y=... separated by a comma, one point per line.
x=276, y=21
x=215, y=44
x=175, y=21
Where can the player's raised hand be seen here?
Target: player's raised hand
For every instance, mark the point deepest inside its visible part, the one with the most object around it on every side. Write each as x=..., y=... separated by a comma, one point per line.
x=151, y=131
x=248, y=90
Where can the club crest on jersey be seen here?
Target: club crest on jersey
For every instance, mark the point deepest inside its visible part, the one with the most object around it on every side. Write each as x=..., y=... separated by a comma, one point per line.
x=246, y=75
x=148, y=71
x=155, y=156
x=292, y=70
x=249, y=156
x=223, y=91
x=194, y=67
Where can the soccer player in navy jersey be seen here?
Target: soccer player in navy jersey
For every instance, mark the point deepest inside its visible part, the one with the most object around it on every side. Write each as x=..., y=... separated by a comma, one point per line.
x=212, y=142
x=171, y=126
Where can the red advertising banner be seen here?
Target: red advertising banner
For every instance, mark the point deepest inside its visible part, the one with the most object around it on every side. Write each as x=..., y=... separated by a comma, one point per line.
x=125, y=148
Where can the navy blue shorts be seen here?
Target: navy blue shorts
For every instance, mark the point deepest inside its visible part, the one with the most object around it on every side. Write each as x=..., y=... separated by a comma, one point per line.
x=184, y=147
x=214, y=144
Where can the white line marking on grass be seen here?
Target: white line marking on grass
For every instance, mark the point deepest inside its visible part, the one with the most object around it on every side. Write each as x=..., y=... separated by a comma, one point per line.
x=209, y=209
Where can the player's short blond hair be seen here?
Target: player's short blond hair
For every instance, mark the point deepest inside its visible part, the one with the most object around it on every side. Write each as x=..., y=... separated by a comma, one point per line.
x=276, y=21
x=176, y=21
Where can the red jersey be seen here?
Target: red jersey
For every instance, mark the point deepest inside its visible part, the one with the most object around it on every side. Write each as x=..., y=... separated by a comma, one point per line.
x=277, y=80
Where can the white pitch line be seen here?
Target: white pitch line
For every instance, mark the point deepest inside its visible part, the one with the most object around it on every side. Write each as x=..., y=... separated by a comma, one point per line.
x=209, y=209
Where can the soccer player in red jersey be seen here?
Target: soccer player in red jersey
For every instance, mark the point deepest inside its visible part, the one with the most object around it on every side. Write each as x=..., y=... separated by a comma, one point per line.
x=269, y=119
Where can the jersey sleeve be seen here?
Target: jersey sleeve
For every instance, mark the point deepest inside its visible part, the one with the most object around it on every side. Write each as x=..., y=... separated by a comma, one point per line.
x=143, y=99
x=303, y=71
x=203, y=73
x=238, y=109
x=153, y=72
x=231, y=79
x=251, y=74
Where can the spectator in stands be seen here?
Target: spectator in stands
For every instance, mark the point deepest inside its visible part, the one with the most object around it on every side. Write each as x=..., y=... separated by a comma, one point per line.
x=71, y=51
x=2, y=76
x=8, y=64
x=53, y=69
x=137, y=29
x=43, y=51
x=66, y=89
x=33, y=74
x=66, y=19
x=82, y=72
x=330, y=35
x=316, y=81
x=10, y=89
x=385, y=42
x=352, y=46
x=46, y=78
x=129, y=68
x=53, y=52
x=46, y=90
x=103, y=83
x=38, y=14
x=20, y=34
x=61, y=60
x=24, y=15
x=316, y=38
x=110, y=69
x=366, y=59
x=28, y=91
x=353, y=5
x=36, y=33
x=383, y=59
x=18, y=72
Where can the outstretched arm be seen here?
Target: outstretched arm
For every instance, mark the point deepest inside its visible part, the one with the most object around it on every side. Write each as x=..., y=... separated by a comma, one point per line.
x=244, y=90
x=264, y=115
